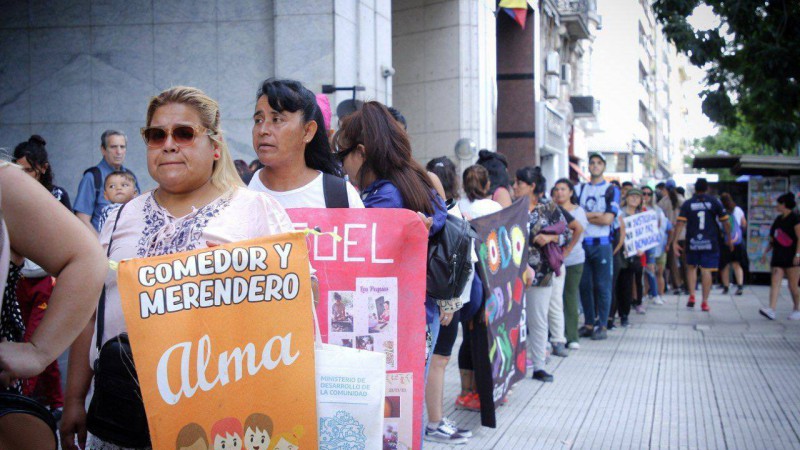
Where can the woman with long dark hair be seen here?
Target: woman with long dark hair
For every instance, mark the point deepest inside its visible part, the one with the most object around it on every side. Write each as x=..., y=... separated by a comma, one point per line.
x=574, y=257
x=784, y=243
x=671, y=206
x=290, y=140
x=35, y=287
x=376, y=154
x=548, y=234
x=31, y=156
x=734, y=255
x=497, y=165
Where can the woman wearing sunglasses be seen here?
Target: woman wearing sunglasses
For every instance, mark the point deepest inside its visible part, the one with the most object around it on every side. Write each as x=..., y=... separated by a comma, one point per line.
x=290, y=140
x=200, y=201
x=376, y=154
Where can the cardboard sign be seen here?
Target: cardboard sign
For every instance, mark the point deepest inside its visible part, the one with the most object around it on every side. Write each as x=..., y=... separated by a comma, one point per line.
x=641, y=232
x=372, y=289
x=499, y=328
x=223, y=341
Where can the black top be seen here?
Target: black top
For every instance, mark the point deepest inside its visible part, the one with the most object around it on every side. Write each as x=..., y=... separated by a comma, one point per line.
x=784, y=240
x=61, y=195
x=702, y=231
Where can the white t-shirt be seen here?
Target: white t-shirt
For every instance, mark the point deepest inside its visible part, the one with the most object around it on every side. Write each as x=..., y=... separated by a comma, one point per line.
x=738, y=214
x=478, y=208
x=147, y=229
x=309, y=196
x=578, y=254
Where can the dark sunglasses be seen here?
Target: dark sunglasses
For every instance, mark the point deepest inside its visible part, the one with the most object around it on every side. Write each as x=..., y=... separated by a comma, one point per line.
x=341, y=154
x=183, y=135
x=647, y=194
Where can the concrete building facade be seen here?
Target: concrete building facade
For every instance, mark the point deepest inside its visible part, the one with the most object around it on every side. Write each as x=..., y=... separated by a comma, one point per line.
x=634, y=73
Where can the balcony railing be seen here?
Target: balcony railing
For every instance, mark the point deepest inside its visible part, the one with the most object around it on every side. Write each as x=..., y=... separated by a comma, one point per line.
x=575, y=14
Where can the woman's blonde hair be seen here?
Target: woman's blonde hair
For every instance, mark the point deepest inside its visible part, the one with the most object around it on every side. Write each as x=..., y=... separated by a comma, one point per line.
x=224, y=175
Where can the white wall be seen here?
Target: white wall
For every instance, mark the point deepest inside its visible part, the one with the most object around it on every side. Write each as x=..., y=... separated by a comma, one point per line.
x=444, y=54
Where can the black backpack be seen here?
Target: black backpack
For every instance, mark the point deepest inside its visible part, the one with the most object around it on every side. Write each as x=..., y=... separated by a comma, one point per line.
x=450, y=259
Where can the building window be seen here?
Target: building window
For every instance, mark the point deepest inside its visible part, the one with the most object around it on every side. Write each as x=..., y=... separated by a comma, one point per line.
x=642, y=74
x=643, y=115
x=617, y=162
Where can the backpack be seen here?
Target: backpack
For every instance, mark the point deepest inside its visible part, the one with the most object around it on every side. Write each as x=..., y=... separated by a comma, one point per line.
x=335, y=191
x=450, y=259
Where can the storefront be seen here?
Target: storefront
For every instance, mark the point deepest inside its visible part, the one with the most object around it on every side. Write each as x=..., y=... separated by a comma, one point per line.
x=768, y=177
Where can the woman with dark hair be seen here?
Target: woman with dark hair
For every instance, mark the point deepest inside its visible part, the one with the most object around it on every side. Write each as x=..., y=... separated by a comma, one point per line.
x=497, y=165
x=548, y=234
x=376, y=154
x=671, y=204
x=35, y=287
x=31, y=156
x=784, y=242
x=290, y=140
x=445, y=171
x=574, y=257
x=734, y=255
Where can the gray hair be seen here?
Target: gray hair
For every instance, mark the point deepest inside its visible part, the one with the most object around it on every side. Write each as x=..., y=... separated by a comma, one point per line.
x=108, y=133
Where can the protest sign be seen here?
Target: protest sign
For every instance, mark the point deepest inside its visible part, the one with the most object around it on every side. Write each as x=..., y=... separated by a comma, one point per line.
x=223, y=341
x=641, y=232
x=498, y=330
x=372, y=297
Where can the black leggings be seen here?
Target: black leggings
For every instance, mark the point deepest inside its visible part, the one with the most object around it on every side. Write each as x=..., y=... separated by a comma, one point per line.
x=465, y=352
x=447, y=337
x=624, y=288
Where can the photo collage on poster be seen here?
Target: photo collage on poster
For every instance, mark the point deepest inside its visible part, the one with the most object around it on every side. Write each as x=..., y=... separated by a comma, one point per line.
x=366, y=318
x=397, y=411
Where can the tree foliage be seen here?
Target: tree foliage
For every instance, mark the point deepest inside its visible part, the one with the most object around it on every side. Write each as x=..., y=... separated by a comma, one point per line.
x=752, y=68
x=738, y=140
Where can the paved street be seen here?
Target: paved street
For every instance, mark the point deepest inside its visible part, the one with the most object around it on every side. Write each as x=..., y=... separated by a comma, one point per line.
x=675, y=379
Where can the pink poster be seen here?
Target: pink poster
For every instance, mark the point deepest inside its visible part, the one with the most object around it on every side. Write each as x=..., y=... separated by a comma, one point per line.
x=372, y=297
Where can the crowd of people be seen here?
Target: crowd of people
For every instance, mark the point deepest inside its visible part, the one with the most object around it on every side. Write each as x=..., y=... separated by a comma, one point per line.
x=577, y=260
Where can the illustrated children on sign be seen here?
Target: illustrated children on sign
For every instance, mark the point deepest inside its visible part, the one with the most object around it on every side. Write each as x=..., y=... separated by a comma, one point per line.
x=257, y=431
x=287, y=440
x=226, y=434
x=192, y=437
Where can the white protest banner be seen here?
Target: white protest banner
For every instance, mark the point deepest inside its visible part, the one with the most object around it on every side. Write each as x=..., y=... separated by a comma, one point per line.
x=641, y=232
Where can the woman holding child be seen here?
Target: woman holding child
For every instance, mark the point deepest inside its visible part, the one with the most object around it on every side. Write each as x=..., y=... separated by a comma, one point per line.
x=200, y=201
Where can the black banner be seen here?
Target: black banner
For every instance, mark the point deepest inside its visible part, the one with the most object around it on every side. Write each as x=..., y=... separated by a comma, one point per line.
x=498, y=330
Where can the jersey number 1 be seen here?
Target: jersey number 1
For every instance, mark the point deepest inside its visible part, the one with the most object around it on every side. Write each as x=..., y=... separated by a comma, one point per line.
x=702, y=216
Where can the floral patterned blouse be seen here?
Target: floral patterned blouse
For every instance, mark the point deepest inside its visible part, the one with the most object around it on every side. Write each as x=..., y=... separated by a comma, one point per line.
x=545, y=214
x=146, y=229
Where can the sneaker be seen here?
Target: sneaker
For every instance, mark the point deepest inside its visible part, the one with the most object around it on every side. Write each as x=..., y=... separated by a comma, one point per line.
x=658, y=300
x=470, y=402
x=677, y=291
x=463, y=432
x=624, y=322
x=769, y=313
x=600, y=334
x=574, y=346
x=445, y=434
x=585, y=332
x=724, y=290
x=704, y=307
x=740, y=290
x=640, y=309
x=690, y=303
x=542, y=376
x=611, y=324
x=559, y=349
x=795, y=315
